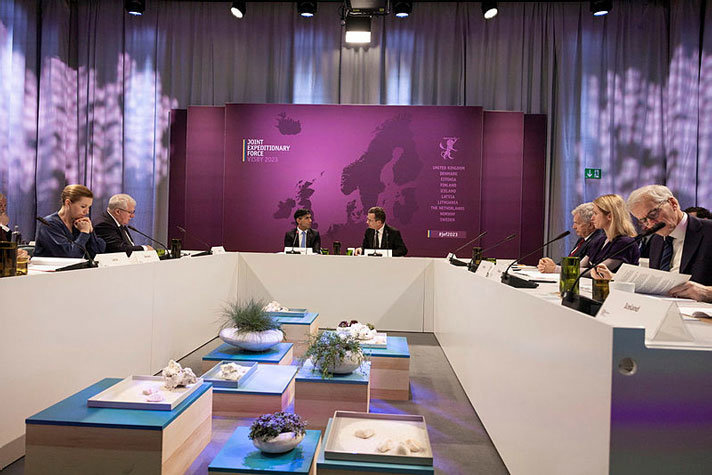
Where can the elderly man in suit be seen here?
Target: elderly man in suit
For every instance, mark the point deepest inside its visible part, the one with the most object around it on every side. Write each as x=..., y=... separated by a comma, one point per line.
x=684, y=244
x=303, y=235
x=379, y=235
x=112, y=227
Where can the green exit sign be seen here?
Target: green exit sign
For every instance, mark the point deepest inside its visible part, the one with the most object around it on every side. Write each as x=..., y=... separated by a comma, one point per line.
x=593, y=173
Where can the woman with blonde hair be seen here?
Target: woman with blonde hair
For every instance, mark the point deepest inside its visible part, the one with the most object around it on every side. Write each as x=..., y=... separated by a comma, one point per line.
x=611, y=215
x=69, y=230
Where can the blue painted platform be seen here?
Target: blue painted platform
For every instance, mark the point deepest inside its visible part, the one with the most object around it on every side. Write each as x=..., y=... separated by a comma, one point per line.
x=267, y=380
x=397, y=348
x=351, y=467
x=228, y=352
x=238, y=455
x=307, y=374
x=307, y=319
x=73, y=411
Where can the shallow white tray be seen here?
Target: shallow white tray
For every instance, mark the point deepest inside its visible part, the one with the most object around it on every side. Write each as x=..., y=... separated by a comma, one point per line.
x=378, y=341
x=342, y=444
x=128, y=394
x=212, y=376
x=292, y=312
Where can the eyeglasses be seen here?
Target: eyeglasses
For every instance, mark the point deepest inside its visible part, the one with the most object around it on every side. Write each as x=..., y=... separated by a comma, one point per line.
x=652, y=214
x=127, y=211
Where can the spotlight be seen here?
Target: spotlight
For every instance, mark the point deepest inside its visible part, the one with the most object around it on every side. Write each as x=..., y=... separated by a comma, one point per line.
x=306, y=9
x=238, y=9
x=601, y=7
x=402, y=9
x=358, y=29
x=489, y=10
x=135, y=7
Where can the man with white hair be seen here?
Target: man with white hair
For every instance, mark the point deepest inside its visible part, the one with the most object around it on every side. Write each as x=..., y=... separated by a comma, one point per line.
x=589, y=237
x=5, y=232
x=112, y=227
x=684, y=244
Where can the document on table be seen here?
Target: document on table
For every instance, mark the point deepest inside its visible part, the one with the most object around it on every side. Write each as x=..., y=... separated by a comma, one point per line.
x=536, y=276
x=650, y=281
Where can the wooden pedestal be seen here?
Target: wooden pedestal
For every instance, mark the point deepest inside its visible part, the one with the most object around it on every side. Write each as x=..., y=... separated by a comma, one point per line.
x=317, y=398
x=269, y=389
x=281, y=354
x=71, y=438
x=239, y=455
x=390, y=370
x=298, y=330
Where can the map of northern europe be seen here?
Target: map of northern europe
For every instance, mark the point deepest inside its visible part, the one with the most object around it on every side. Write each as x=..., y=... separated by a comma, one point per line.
x=385, y=175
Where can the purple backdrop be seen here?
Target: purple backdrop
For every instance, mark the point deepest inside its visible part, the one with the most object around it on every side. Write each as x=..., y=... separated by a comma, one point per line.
x=428, y=166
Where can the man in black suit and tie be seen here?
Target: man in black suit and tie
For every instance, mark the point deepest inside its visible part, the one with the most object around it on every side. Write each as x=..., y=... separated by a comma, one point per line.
x=303, y=235
x=112, y=226
x=684, y=245
x=379, y=235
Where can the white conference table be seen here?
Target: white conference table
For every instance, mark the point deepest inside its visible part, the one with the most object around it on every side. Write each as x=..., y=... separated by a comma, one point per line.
x=543, y=378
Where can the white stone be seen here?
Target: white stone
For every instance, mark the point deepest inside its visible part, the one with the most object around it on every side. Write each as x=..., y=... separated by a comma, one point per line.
x=232, y=371
x=275, y=306
x=364, y=433
x=174, y=375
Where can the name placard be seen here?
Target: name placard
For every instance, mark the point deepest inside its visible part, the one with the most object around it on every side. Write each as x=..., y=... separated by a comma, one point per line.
x=485, y=269
x=307, y=251
x=112, y=259
x=140, y=257
x=660, y=318
x=218, y=250
x=377, y=252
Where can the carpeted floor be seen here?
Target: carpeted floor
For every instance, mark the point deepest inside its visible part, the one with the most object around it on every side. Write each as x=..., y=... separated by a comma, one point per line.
x=460, y=443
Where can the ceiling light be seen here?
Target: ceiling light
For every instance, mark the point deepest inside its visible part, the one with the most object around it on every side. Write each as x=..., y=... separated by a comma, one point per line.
x=402, y=9
x=601, y=7
x=358, y=29
x=306, y=9
x=489, y=10
x=135, y=7
x=238, y=9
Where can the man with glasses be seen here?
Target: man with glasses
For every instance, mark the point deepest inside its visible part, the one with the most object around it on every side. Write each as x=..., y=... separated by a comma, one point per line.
x=379, y=235
x=684, y=245
x=112, y=227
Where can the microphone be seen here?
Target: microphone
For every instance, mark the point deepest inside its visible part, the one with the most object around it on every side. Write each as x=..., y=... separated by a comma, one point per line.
x=147, y=236
x=294, y=243
x=507, y=239
x=82, y=265
x=204, y=253
x=590, y=306
x=520, y=283
x=452, y=257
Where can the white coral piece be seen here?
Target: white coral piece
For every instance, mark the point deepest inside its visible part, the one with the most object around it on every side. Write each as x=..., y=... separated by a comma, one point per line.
x=364, y=433
x=414, y=446
x=174, y=375
x=275, y=306
x=385, y=446
x=402, y=449
x=232, y=371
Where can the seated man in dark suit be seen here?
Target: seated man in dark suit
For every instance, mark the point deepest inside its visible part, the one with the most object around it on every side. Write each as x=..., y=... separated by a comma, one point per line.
x=303, y=235
x=589, y=237
x=379, y=235
x=112, y=225
x=5, y=232
x=684, y=245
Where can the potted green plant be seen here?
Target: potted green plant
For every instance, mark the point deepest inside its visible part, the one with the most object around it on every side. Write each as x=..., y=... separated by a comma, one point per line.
x=247, y=326
x=332, y=353
x=277, y=433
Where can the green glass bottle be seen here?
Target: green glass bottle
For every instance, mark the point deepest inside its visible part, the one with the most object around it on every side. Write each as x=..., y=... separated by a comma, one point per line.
x=570, y=269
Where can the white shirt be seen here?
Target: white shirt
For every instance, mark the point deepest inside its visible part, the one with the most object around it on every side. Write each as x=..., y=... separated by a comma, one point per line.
x=299, y=237
x=678, y=235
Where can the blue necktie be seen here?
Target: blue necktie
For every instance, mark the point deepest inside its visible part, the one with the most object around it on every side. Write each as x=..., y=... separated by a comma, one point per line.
x=303, y=241
x=666, y=257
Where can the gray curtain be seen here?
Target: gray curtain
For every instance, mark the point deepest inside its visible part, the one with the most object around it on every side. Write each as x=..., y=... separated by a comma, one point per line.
x=85, y=89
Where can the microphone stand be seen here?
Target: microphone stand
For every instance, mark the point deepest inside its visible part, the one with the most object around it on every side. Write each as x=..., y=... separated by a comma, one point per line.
x=472, y=268
x=164, y=256
x=294, y=242
x=518, y=282
x=453, y=256
x=90, y=263
x=591, y=306
x=204, y=253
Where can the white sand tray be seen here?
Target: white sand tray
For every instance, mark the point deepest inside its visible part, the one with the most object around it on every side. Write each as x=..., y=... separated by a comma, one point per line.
x=129, y=394
x=344, y=445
